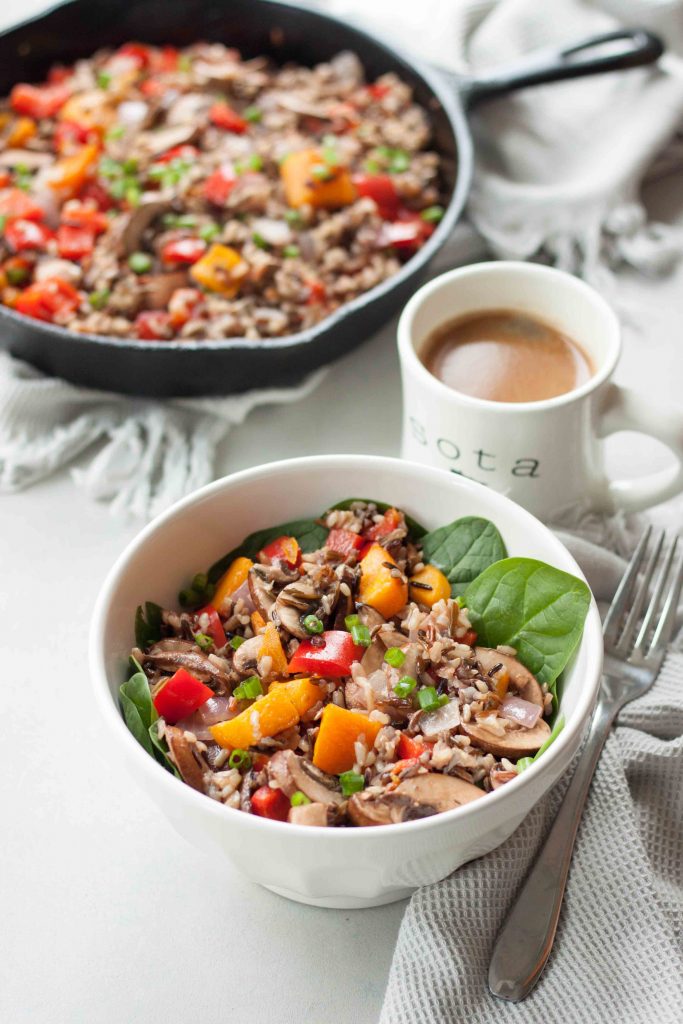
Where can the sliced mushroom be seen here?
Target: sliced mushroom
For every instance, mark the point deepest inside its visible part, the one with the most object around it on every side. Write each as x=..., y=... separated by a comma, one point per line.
x=521, y=678
x=513, y=743
x=499, y=776
x=169, y=655
x=189, y=761
x=29, y=158
x=442, y=792
x=373, y=659
x=385, y=809
x=293, y=773
x=150, y=206
x=313, y=594
x=369, y=616
x=162, y=139
x=245, y=659
x=189, y=109
x=309, y=814
x=157, y=289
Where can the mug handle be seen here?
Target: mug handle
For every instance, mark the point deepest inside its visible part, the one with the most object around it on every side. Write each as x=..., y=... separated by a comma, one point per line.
x=623, y=409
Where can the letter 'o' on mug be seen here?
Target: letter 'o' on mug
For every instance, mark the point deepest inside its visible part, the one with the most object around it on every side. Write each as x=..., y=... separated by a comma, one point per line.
x=506, y=370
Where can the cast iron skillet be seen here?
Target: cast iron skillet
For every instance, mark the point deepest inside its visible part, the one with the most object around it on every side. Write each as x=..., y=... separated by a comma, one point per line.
x=78, y=28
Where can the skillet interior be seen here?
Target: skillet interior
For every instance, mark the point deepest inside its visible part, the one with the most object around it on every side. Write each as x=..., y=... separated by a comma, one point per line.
x=77, y=29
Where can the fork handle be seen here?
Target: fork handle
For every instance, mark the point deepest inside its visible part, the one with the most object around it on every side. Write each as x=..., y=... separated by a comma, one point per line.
x=525, y=940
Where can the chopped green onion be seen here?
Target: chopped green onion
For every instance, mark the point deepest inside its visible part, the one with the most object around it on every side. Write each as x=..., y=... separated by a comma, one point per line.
x=372, y=167
x=352, y=620
x=240, y=759
x=184, y=63
x=140, y=262
x=23, y=177
x=203, y=641
x=290, y=252
x=99, y=299
x=17, y=275
x=132, y=194
x=237, y=641
x=395, y=657
x=259, y=240
x=110, y=168
x=292, y=216
x=248, y=689
x=103, y=79
x=254, y=163
x=351, y=782
x=185, y=220
x=429, y=699
x=116, y=132
x=321, y=172
x=209, y=231
x=3, y=222
x=361, y=635
x=130, y=166
x=399, y=163
x=313, y=625
x=405, y=686
x=299, y=799
x=253, y=114
x=329, y=150
x=432, y=214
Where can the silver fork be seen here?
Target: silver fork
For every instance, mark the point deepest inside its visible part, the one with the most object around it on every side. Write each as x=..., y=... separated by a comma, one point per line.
x=631, y=666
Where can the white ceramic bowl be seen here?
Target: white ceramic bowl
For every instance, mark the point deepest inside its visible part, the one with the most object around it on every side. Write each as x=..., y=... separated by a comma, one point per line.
x=355, y=867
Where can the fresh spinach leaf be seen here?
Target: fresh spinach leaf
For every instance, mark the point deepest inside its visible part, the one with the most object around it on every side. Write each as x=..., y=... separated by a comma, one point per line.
x=524, y=762
x=533, y=607
x=137, y=707
x=309, y=535
x=161, y=750
x=416, y=529
x=147, y=624
x=463, y=549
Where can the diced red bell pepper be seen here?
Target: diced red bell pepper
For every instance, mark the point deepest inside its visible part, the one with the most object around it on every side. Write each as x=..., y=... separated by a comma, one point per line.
x=181, y=696
x=58, y=73
x=23, y=235
x=380, y=188
x=317, y=292
x=184, y=152
x=15, y=203
x=378, y=90
x=407, y=233
x=166, y=59
x=5, y=178
x=225, y=117
x=390, y=521
x=74, y=243
x=39, y=101
x=282, y=549
x=140, y=54
x=152, y=88
x=183, y=304
x=153, y=325
x=71, y=134
x=219, y=185
x=344, y=542
x=183, y=250
x=215, y=627
x=80, y=214
x=470, y=638
x=94, y=192
x=405, y=762
x=48, y=300
x=270, y=803
x=407, y=748
x=331, y=654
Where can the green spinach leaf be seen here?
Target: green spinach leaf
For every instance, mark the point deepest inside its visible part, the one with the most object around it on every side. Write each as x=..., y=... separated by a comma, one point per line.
x=416, y=529
x=309, y=535
x=533, y=607
x=463, y=549
x=161, y=750
x=137, y=707
x=147, y=624
x=524, y=762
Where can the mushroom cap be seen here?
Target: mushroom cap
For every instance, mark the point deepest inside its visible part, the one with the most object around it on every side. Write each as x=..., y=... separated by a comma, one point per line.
x=188, y=760
x=523, y=680
x=417, y=797
x=442, y=792
x=512, y=744
x=293, y=773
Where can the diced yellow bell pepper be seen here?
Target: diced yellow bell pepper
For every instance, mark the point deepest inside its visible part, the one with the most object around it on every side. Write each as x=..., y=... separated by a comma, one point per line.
x=24, y=128
x=221, y=269
x=231, y=581
x=385, y=593
x=308, y=179
x=70, y=172
x=257, y=622
x=91, y=109
x=430, y=576
x=334, y=750
x=272, y=648
x=279, y=709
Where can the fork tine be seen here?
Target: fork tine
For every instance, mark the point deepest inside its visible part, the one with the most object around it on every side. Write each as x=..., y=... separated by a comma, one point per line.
x=667, y=620
x=623, y=644
x=655, y=600
x=610, y=628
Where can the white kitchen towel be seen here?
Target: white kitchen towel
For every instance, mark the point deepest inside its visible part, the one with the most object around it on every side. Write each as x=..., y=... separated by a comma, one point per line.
x=558, y=173
x=617, y=953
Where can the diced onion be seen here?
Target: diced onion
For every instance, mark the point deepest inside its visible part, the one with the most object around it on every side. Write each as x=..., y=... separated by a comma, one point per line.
x=515, y=709
x=442, y=720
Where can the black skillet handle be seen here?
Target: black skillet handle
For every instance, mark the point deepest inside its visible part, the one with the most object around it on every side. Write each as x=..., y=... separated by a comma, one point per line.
x=639, y=47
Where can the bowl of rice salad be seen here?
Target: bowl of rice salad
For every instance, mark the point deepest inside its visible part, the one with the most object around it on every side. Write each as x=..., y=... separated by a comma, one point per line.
x=374, y=685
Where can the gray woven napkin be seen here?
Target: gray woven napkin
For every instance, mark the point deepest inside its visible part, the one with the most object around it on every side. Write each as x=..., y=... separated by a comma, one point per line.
x=617, y=954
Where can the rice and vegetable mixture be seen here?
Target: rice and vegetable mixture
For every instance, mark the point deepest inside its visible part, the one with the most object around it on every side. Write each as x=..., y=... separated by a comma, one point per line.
x=355, y=669
x=158, y=193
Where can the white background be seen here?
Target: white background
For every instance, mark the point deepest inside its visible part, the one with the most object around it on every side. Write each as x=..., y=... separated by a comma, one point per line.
x=106, y=915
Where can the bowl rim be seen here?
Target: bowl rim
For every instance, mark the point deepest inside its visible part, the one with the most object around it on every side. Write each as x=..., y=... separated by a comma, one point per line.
x=591, y=640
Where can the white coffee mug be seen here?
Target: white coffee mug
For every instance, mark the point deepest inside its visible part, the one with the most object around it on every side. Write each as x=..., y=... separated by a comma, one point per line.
x=546, y=455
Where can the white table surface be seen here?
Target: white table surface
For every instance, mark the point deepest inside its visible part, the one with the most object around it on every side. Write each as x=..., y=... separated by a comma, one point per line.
x=107, y=916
